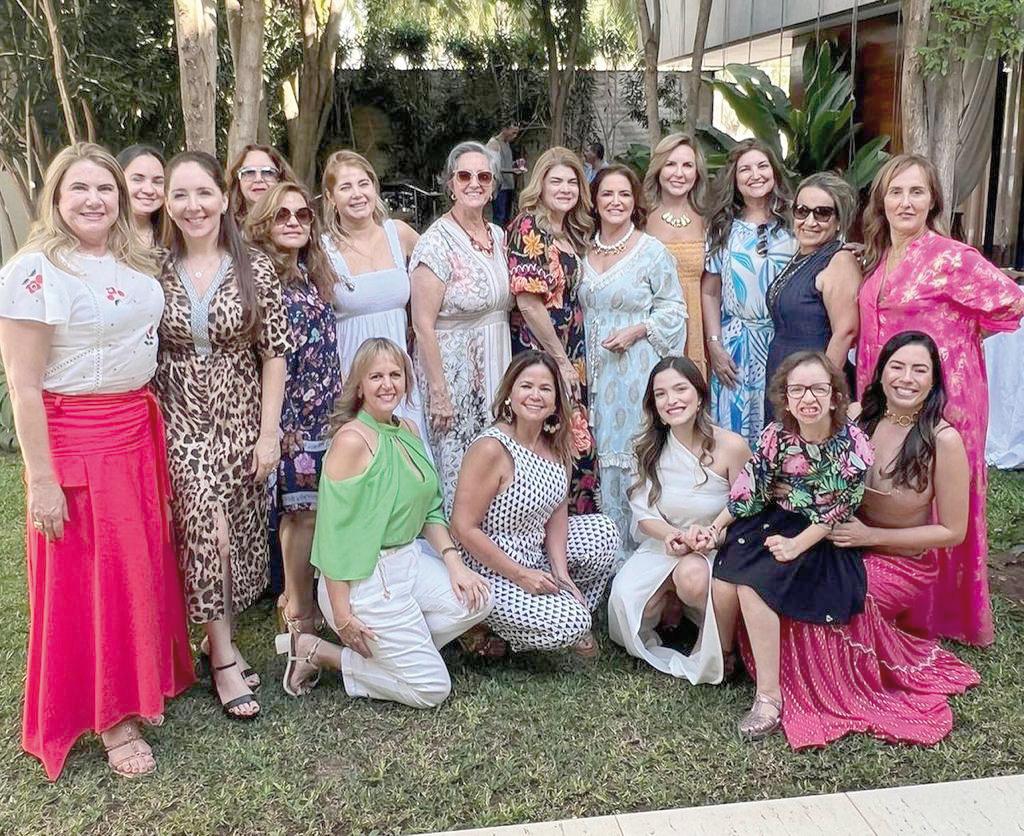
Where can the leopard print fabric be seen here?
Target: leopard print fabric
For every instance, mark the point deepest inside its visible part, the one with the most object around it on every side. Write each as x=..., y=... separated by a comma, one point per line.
x=208, y=381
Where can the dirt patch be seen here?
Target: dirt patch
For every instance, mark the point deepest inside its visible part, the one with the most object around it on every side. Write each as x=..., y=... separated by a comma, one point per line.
x=1006, y=574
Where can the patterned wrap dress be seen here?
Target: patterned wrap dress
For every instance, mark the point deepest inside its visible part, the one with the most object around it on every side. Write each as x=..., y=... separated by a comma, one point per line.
x=312, y=387
x=516, y=523
x=949, y=291
x=472, y=336
x=640, y=288
x=746, y=323
x=209, y=385
x=538, y=266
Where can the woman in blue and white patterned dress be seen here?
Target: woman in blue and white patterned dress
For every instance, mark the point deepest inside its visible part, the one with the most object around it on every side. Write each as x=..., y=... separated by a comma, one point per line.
x=749, y=243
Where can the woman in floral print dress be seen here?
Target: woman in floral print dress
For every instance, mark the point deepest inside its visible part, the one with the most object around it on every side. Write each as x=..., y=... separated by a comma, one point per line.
x=544, y=268
x=283, y=225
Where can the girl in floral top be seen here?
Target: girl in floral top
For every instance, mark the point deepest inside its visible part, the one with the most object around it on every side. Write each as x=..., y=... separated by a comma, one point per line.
x=544, y=246
x=806, y=475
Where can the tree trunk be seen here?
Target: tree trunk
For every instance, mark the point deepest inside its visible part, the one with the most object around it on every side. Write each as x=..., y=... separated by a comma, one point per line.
x=913, y=98
x=59, y=71
x=648, y=30
x=247, y=54
x=195, y=23
x=700, y=37
x=945, y=128
x=561, y=69
x=308, y=97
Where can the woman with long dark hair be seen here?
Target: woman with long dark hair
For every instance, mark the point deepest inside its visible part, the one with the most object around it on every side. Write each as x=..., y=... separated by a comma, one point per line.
x=684, y=466
x=220, y=378
x=143, y=168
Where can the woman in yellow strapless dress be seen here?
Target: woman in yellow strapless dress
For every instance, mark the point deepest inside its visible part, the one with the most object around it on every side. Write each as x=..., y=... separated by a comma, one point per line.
x=675, y=185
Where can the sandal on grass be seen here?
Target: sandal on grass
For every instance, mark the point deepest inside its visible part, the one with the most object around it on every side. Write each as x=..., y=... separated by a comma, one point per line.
x=587, y=647
x=252, y=679
x=763, y=719
x=287, y=644
x=131, y=749
x=480, y=641
x=244, y=699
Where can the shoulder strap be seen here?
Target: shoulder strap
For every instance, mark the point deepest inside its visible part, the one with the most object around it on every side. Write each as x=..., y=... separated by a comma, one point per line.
x=391, y=231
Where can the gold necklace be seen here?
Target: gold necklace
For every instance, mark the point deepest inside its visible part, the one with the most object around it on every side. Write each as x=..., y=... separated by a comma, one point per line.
x=905, y=421
x=673, y=221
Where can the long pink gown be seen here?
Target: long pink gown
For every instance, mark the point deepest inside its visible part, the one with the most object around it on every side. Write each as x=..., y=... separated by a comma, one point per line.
x=949, y=291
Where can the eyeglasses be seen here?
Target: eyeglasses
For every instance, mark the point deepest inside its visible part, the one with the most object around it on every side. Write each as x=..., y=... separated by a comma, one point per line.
x=762, y=240
x=267, y=173
x=484, y=178
x=304, y=216
x=797, y=390
x=821, y=213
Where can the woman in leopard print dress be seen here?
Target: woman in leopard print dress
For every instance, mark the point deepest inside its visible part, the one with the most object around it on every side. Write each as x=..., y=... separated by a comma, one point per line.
x=220, y=378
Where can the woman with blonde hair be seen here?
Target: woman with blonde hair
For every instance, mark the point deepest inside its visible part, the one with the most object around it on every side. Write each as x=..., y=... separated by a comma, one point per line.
x=545, y=245
x=676, y=190
x=254, y=170
x=547, y=570
x=919, y=279
x=392, y=605
x=79, y=309
x=283, y=225
x=370, y=253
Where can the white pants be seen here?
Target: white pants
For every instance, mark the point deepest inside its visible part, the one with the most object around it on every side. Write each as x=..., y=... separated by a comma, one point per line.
x=409, y=603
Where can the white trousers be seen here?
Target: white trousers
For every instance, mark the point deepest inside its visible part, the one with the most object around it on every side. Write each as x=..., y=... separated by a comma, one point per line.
x=409, y=603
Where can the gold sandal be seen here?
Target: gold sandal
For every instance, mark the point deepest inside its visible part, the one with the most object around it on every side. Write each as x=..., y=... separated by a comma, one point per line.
x=587, y=647
x=756, y=723
x=132, y=743
x=286, y=644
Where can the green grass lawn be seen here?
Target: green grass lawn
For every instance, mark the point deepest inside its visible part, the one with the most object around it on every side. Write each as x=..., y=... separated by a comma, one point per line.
x=528, y=739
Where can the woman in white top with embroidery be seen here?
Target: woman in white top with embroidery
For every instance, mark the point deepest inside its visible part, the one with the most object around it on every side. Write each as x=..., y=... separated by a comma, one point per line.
x=460, y=311
x=685, y=465
x=369, y=252
x=79, y=308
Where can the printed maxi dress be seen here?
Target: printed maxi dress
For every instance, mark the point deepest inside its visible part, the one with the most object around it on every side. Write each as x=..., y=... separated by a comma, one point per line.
x=537, y=265
x=949, y=291
x=209, y=385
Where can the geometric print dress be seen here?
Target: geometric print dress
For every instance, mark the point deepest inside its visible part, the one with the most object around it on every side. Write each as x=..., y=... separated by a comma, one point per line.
x=516, y=522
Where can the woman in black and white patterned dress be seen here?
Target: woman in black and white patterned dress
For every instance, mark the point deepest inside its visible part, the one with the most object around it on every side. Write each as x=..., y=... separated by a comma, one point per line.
x=547, y=570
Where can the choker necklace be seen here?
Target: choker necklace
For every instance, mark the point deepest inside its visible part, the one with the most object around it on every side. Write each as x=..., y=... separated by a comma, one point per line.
x=617, y=247
x=905, y=421
x=673, y=221
x=487, y=249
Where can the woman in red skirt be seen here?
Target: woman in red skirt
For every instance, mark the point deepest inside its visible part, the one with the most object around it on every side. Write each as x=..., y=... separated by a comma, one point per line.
x=79, y=308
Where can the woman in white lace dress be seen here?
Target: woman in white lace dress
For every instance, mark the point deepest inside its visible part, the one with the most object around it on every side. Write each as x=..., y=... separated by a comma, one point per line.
x=460, y=311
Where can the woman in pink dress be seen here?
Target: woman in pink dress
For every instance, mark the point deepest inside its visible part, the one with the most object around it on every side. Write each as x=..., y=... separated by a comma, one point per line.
x=919, y=279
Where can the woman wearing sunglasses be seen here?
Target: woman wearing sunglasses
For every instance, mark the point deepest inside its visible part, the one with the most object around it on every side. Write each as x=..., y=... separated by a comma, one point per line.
x=813, y=301
x=749, y=243
x=460, y=311
x=282, y=224
x=254, y=170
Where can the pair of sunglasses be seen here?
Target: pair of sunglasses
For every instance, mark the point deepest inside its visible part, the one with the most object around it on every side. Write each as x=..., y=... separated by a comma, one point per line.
x=266, y=173
x=484, y=178
x=304, y=216
x=821, y=213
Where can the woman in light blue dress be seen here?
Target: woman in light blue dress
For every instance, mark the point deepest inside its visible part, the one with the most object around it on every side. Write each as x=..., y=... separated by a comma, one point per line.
x=749, y=244
x=634, y=315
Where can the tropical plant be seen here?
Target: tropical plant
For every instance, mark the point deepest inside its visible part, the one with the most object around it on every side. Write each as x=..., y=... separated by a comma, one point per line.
x=816, y=135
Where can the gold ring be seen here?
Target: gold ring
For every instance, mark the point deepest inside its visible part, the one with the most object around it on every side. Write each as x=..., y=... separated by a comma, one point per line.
x=37, y=523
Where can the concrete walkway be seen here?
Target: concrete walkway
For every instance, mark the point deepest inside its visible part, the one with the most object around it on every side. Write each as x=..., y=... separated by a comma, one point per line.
x=965, y=808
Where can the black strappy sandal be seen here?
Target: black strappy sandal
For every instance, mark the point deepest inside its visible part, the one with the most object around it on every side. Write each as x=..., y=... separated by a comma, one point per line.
x=237, y=701
x=203, y=669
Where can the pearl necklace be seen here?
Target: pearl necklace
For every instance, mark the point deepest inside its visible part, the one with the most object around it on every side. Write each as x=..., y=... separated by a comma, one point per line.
x=905, y=421
x=673, y=221
x=617, y=247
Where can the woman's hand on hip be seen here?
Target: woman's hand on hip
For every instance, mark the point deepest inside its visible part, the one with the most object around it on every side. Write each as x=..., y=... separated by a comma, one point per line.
x=47, y=508
x=471, y=590
x=852, y=534
x=265, y=456
x=727, y=372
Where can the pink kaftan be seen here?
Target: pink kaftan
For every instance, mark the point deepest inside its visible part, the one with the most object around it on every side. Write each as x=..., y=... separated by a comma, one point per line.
x=949, y=291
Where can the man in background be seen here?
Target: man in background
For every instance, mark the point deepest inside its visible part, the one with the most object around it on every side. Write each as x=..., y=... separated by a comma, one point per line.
x=500, y=145
x=593, y=160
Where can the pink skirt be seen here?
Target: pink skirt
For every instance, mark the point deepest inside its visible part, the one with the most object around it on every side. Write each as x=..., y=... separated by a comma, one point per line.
x=898, y=584
x=866, y=676
x=107, y=633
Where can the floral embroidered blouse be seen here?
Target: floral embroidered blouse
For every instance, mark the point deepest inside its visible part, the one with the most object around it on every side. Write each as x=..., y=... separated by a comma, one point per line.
x=826, y=481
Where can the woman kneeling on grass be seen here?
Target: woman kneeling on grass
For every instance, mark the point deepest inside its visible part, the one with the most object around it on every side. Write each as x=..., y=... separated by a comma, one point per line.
x=392, y=605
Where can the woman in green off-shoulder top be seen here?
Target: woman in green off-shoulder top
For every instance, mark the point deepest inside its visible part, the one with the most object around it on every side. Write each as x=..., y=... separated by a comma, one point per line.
x=392, y=604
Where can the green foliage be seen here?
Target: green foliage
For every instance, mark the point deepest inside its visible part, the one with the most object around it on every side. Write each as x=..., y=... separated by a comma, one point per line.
x=8, y=439
x=816, y=134
x=964, y=29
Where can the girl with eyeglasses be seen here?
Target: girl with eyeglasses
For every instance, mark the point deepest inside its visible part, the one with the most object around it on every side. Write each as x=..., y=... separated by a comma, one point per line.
x=806, y=475
x=460, y=311
x=282, y=224
x=749, y=243
x=253, y=171
x=813, y=301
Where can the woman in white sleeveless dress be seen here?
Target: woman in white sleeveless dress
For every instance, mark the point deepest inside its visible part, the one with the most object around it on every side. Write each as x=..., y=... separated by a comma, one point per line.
x=369, y=252
x=685, y=466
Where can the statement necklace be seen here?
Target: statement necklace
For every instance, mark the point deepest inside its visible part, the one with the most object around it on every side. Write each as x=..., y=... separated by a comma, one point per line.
x=905, y=421
x=673, y=221
x=617, y=247
x=486, y=249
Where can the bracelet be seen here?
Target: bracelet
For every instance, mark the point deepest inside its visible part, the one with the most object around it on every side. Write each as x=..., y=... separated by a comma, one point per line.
x=339, y=630
x=714, y=338
x=451, y=549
